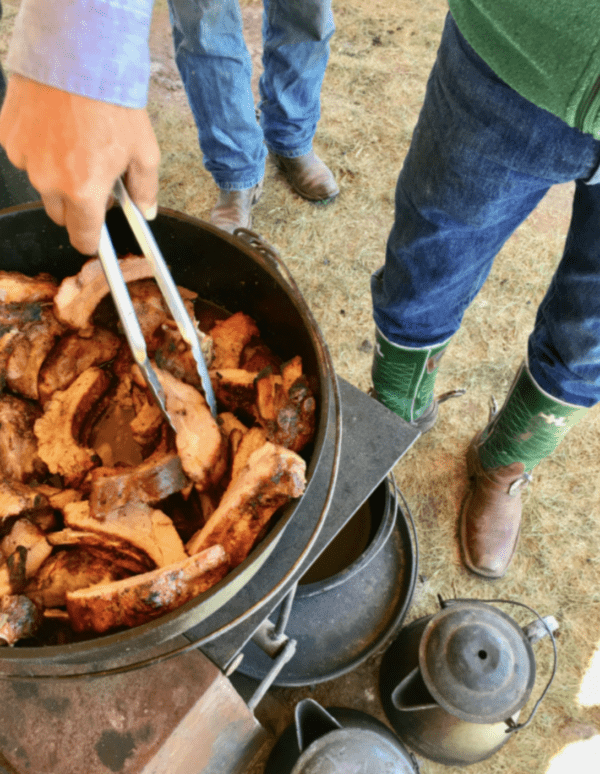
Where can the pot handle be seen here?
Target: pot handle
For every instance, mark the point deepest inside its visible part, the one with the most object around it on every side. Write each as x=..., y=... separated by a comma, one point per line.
x=534, y=631
x=269, y=254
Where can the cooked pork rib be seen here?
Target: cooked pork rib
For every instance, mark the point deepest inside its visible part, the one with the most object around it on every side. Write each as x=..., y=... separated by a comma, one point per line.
x=17, y=498
x=113, y=550
x=285, y=406
x=148, y=530
x=229, y=337
x=235, y=389
x=25, y=352
x=136, y=600
x=18, y=315
x=273, y=476
x=78, y=296
x=57, y=430
x=17, y=288
x=156, y=478
x=19, y=458
x=199, y=441
x=20, y=618
x=71, y=356
x=69, y=570
x=32, y=539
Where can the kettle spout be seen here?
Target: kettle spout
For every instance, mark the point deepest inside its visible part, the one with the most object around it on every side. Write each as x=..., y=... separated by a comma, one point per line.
x=312, y=722
x=411, y=693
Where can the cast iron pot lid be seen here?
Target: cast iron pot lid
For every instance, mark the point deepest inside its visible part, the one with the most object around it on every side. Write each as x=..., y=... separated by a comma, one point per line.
x=476, y=662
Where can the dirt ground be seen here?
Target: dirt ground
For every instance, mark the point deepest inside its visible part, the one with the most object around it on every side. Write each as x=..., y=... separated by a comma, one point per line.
x=380, y=58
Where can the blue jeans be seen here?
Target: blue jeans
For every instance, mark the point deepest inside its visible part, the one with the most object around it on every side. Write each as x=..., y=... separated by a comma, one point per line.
x=481, y=159
x=216, y=69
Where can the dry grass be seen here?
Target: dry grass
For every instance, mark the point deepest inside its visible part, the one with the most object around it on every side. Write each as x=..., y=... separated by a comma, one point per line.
x=380, y=60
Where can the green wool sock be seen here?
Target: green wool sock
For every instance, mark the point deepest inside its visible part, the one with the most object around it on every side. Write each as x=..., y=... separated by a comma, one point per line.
x=404, y=378
x=528, y=427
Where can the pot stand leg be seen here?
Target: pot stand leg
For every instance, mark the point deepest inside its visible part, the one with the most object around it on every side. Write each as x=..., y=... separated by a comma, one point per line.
x=271, y=639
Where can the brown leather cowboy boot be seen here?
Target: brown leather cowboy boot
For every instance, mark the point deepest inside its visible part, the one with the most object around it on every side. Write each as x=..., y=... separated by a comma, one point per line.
x=491, y=515
x=309, y=176
x=234, y=208
x=527, y=429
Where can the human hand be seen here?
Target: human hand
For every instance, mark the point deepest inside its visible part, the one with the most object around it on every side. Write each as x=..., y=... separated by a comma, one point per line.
x=73, y=149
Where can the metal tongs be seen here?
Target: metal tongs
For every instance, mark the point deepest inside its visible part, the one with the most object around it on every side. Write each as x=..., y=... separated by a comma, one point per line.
x=165, y=282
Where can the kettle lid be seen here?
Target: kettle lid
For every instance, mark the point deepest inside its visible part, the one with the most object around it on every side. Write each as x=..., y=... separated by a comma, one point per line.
x=353, y=751
x=476, y=662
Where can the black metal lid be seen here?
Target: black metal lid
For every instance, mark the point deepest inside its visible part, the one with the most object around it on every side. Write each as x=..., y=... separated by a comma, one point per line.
x=476, y=662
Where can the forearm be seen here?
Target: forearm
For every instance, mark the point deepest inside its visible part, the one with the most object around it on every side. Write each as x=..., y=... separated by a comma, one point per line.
x=95, y=48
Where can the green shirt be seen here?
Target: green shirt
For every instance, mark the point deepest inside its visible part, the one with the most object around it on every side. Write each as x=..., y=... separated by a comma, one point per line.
x=546, y=50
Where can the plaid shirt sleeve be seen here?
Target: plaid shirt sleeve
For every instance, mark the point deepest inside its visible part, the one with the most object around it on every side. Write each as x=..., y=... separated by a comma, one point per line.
x=95, y=48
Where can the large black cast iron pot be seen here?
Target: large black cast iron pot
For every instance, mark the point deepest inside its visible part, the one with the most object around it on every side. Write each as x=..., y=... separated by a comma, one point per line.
x=237, y=275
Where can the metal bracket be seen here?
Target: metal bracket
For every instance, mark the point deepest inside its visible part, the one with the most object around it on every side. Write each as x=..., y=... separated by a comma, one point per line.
x=271, y=638
x=278, y=647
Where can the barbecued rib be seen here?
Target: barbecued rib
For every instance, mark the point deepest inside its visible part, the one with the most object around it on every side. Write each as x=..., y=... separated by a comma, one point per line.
x=69, y=570
x=19, y=458
x=229, y=337
x=25, y=352
x=200, y=443
x=71, y=356
x=17, y=315
x=20, y=618
x=136, y=600
x=271, y=478
x=57, y=430
x=79, y=295
x=17, y=498
x=147, y=529
x=26, y=535
x=156, y=478
x=17, y=288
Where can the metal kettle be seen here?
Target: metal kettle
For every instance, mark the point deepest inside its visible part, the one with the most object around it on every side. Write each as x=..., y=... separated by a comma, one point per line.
x=338, y=740
x=453, y=684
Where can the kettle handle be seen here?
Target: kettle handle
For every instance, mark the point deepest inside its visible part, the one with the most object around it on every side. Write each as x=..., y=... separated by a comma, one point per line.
x=534, y=631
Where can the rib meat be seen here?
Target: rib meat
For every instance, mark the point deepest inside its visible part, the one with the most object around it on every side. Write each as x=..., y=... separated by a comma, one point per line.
x=71, y=356
x=69, y=570
x=17, y=498
x=57, y=430
x=25, y=352
x=136, y=600
x=199, y=441
x=148, y=530
x=156, y=478
x=271, y=478
x=78, y=296
x=19, y=458
x=16, y=287
x=229, y=337
x=20, y=618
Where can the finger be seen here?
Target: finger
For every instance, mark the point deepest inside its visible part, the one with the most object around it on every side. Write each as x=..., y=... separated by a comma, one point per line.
x=54, y=204
x=84, y=221
x=142, y=185
x=141, y=177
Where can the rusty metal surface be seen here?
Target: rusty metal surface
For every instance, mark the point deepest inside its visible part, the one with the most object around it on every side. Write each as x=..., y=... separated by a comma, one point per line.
x=182, y=716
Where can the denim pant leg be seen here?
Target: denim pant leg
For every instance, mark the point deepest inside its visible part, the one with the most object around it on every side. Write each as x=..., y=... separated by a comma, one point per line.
x=296, y=39
x=216, y=69
x=480, y=160
x=564, y=347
